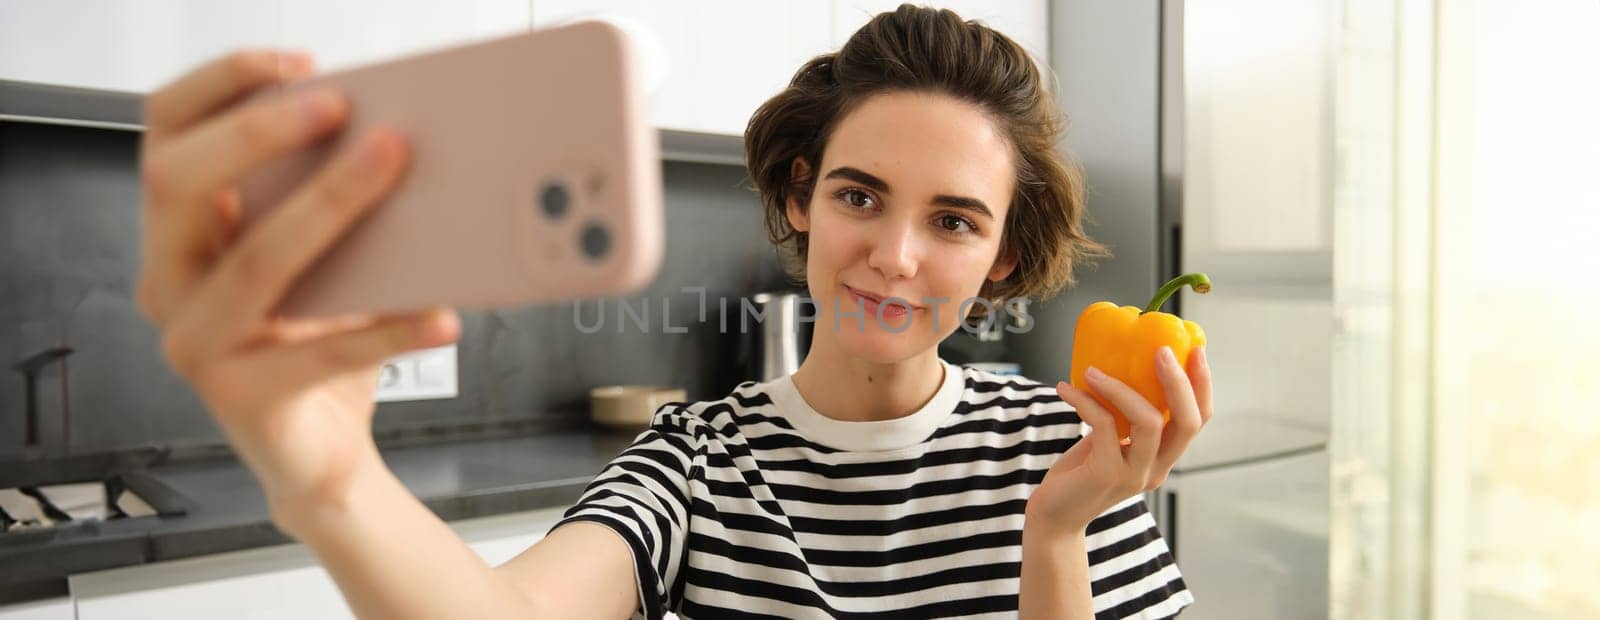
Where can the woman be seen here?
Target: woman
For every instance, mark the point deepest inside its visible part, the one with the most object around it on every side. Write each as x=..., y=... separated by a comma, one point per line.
x=916, y=163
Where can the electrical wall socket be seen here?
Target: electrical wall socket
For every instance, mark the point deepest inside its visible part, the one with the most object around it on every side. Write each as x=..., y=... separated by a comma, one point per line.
x=419, y=375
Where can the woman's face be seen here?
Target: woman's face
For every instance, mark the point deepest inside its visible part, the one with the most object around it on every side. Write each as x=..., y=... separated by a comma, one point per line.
x=909, y=202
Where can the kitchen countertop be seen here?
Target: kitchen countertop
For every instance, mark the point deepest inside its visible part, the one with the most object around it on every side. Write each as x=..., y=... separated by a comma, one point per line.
x=457, y=480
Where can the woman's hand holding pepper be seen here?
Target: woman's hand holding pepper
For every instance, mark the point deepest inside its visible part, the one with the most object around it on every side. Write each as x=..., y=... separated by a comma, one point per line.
x=1098, y=471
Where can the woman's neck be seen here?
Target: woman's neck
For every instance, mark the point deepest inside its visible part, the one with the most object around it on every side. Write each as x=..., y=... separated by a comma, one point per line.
x=854, y=390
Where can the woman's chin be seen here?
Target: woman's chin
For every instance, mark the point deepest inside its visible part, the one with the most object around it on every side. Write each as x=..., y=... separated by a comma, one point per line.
x=878, y=345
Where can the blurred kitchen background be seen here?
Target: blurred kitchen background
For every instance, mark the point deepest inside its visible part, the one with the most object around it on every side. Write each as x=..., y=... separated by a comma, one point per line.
x=1387, y=195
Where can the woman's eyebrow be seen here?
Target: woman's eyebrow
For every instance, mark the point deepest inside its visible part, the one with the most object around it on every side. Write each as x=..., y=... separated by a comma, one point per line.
x=859, y=176
x=881, y=186
x=963, y=202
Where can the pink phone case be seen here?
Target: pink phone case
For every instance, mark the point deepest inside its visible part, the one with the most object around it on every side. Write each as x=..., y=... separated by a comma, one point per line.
x=534, y=177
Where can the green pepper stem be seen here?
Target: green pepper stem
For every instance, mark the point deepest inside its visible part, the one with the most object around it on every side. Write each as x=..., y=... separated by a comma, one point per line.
x=1198, y=281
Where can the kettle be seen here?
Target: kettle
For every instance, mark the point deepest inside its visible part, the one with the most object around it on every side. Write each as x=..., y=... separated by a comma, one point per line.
x=770, y=346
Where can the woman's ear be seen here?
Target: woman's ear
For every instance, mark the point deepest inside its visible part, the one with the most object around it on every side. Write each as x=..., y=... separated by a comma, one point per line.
x=1004, y=264
x=799, y=218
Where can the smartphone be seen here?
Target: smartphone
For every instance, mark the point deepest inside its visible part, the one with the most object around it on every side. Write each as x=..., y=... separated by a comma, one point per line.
x=534, y=177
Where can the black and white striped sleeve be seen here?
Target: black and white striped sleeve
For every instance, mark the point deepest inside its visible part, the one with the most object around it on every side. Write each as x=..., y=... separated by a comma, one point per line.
x=643, y=496
x=1132, y=573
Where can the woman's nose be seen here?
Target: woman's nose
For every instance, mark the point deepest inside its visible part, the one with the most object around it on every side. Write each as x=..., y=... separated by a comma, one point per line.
x=896, y=250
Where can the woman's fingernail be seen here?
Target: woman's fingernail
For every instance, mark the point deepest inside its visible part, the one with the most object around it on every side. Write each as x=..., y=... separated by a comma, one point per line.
x=320, y=106
x=376, y=151
x=297, y=63
x=436, y=328
x=290, y=65
x=1095, y=375
x=1168, y=356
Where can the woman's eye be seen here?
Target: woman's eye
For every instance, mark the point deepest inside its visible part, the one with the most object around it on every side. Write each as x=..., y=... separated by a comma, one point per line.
x=856, y=198
x=955, y=223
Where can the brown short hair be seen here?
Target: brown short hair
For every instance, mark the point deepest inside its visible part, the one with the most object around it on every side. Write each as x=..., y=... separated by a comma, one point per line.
x=932, y=50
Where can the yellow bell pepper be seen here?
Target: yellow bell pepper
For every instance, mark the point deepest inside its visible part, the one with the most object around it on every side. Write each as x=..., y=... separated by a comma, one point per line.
x=1122, y=342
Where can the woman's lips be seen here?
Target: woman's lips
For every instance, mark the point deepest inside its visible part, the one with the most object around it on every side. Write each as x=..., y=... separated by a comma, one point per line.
x=871, y=303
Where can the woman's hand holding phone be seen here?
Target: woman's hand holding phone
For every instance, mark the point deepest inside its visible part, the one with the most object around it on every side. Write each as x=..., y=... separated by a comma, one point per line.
x=293, y=397
x=292, y=242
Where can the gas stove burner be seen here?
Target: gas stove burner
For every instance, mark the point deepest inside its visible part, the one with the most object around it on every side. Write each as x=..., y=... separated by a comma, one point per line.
x=59, y=505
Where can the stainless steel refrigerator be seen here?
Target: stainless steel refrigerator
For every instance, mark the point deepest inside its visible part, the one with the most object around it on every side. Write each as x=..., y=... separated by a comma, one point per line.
x=1205, y=128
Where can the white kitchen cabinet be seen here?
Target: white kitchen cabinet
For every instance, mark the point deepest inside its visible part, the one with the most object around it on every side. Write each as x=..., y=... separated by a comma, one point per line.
x=48, y=609
x=138, y=46
x=275, y=582
x=347, y=33
x=720, y=58
x=1026, y=21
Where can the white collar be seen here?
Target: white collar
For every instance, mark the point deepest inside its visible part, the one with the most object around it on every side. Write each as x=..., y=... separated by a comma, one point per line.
x=877, y=435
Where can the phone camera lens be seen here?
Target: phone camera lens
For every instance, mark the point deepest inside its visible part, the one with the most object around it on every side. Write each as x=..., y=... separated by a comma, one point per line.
x=596, y=241
x=554, y=199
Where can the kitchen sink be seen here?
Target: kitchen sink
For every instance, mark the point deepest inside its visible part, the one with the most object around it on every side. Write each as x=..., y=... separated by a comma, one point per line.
x=51, y=494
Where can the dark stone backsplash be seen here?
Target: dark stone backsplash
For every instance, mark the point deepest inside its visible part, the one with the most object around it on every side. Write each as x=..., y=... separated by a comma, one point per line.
x=69, y=200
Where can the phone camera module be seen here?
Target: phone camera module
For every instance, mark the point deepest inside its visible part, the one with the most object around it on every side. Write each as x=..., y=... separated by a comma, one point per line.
x=555, y=199
x=595, y=241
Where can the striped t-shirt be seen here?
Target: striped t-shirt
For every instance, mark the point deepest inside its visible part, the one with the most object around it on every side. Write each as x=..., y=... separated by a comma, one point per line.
x=756, y=505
